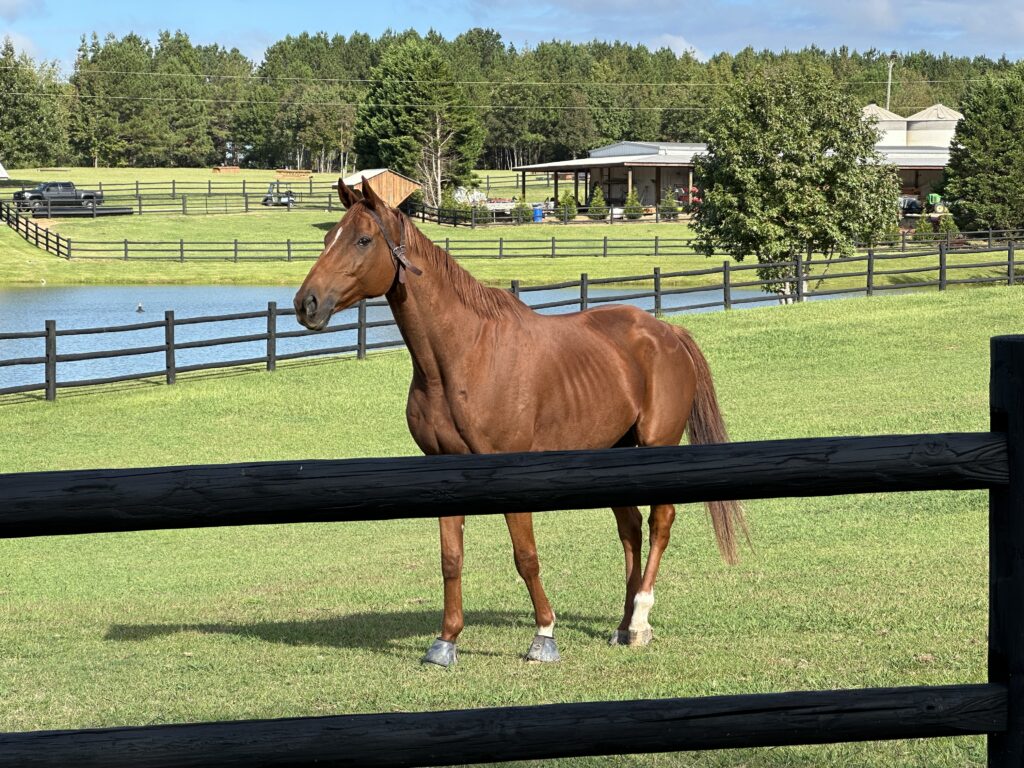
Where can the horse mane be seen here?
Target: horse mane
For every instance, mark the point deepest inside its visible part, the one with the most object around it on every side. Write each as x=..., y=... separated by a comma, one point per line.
x=486, y=302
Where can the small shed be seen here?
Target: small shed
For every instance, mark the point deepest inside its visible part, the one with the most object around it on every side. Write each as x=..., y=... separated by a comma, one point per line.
x=391, y=187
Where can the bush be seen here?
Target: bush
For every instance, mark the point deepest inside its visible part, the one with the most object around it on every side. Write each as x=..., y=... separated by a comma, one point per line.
x=948, y=224
x=522, y=212
x=668, y=210
x=598, y=207
x=632, y=209
x=924, y=230
x=567, y=207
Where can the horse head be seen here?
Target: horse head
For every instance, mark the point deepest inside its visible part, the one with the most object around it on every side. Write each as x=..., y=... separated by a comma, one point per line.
x=359, y=261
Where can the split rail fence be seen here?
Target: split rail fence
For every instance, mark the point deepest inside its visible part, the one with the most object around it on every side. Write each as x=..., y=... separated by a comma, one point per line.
x=89, y=501
x=722, y=287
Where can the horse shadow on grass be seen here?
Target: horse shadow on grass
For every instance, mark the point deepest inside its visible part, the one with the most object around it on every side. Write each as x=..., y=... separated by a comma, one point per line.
x=391, y=633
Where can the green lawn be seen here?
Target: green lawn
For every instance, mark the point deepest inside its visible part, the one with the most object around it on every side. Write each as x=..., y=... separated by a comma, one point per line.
x=870, y=590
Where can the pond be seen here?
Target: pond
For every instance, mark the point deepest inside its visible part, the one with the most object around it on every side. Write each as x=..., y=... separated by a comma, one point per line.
x=76, y=307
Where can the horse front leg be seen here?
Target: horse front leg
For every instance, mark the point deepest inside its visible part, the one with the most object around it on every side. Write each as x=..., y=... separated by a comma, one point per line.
x=442, y=652
x=524, y=548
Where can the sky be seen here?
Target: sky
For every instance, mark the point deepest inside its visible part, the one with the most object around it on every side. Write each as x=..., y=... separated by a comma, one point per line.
x=50, y=29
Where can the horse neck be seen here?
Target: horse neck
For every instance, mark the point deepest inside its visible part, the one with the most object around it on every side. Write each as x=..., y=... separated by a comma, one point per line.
x=434, y=317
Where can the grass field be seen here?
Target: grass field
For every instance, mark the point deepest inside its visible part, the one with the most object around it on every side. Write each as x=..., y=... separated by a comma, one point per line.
x=870, y=590
x=19, y=266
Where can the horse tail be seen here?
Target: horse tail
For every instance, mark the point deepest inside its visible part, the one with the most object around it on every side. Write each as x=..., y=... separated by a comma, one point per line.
x=706, y=426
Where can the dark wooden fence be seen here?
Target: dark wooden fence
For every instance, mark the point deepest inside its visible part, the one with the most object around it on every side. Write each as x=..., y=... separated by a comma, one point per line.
x=720, y=291
x=87, y=501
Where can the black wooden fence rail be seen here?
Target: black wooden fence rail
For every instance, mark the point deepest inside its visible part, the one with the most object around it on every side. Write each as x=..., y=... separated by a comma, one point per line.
x=724, y=280
x=86, y=501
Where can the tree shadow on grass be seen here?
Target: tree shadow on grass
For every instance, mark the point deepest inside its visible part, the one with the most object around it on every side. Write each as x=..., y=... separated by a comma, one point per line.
x=385, y=633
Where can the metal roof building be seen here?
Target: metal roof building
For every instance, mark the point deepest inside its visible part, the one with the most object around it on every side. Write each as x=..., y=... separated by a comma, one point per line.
x=918, y=146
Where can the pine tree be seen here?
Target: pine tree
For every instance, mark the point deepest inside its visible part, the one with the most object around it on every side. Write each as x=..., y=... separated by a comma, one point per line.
x=598, y=208
x=985, y=176
x=633, y=208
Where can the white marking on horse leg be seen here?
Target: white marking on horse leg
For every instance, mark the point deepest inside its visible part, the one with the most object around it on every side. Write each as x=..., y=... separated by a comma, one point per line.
x=641, y=609
x=548, y=631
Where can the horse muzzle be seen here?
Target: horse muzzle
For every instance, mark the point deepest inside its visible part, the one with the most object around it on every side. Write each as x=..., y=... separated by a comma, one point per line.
x=311, y=311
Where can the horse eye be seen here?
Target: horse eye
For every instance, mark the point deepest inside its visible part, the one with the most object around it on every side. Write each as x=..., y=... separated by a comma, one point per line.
x=364, y=240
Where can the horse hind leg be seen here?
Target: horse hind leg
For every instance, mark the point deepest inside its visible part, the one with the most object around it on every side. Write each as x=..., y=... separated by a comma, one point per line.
x=524, y=548
x=661, y=519
x=630, y=526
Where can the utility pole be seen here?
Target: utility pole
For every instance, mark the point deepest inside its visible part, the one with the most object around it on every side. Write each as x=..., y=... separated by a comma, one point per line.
x=888, y=82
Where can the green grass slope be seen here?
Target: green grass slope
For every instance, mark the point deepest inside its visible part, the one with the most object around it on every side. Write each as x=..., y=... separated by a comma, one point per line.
x=871, y=590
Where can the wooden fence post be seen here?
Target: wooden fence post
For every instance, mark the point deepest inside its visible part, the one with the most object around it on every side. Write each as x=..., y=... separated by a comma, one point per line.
x=871, y=272
x=657, y=291
x=1006, y=551
x=170, y=371
x=361, y=332
x=604, y=246
x=515, y=287
x=501, y=247
x=584, y=283
x=726, y=286
x=942, y=266
x=126, y=249
x=138, y=202
x=552, y=247
x=1011, y=267
x=271, y=335
x=798, y=273
x=903, y=240
x=288, y=244
x=51, y=360
x=68, y=241
x=236, y=250
x=990, y=237
x=181, y=251
x=655, y=246
x=184, y=205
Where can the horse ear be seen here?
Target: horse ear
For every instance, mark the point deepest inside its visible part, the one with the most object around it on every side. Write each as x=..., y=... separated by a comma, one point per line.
x=371, y=198
x=346, y=194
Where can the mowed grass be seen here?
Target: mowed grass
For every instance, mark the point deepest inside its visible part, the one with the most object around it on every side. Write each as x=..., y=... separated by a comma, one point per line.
x=278, y=226
x=275, y=621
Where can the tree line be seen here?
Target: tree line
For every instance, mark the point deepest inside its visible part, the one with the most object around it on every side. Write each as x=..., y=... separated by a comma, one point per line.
x=330, y=103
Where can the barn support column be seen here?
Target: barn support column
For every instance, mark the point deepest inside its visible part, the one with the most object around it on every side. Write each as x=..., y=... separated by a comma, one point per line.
x=576, y=186
x=657, y=185
x=689, y=183
x=555, y=174
x=522, y=175
x=629, y=181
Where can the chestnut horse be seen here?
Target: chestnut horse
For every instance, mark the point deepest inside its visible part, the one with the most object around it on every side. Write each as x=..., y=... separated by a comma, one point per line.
x=491, y=375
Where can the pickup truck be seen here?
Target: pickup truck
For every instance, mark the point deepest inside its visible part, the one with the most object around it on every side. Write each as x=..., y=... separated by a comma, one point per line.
x=55, y=193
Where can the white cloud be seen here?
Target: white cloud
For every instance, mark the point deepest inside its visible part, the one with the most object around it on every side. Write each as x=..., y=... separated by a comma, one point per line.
x=12, y=9
x=678, y=45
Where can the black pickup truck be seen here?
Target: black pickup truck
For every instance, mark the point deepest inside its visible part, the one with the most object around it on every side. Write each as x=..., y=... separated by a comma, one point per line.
x=55, y=193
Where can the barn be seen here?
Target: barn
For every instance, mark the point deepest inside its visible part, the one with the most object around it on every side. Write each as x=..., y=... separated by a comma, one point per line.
x=917, y=145
x=390, y=186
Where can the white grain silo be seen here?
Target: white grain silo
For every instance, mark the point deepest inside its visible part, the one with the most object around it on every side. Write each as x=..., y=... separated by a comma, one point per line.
x=932, y=127
x=891, y=127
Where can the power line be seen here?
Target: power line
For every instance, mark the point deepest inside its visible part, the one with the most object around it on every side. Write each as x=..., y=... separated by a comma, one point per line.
x=531, y=83
x=301, y=103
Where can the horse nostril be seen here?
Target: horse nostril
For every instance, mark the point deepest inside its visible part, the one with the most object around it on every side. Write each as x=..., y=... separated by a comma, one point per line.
x=309, y=305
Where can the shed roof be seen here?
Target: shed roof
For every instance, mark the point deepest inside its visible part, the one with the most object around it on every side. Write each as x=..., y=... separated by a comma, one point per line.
x=881, y=113
x=936, y=112
x=357, y=177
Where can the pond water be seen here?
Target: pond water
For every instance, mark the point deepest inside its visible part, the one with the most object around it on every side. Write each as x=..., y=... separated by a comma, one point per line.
x=75, y=307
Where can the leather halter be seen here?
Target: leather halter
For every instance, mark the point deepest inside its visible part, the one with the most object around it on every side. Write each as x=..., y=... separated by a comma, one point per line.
x=402, y=262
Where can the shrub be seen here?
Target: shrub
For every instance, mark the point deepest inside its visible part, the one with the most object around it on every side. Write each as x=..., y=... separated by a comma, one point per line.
x=924, y=230
x=948, y=224
x=598, y=207
x=667, y=208
x=522, y=212
x=632, y=209
x=567, y=206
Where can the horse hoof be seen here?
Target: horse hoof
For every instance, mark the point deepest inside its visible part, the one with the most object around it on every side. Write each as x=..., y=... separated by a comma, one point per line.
x=442, y=653
x=543, y=649
x=619, y=637
x=640, y=637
